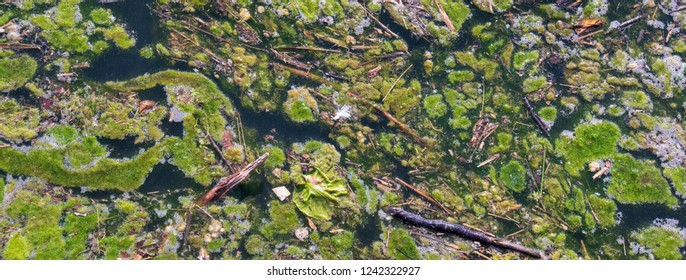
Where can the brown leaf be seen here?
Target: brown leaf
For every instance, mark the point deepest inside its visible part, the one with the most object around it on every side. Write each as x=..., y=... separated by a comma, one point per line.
x=146, y=105
x=227, y=140
x=586, y=24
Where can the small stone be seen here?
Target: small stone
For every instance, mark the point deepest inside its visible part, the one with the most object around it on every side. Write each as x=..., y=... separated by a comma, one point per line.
x=302, y=233
x=593, y=166
x=281, y=192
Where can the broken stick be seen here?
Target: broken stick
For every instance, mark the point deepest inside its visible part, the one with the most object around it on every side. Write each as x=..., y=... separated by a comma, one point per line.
x=462, y=231
x=225, y=184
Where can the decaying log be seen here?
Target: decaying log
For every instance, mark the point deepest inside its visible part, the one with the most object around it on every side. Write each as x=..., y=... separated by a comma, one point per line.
x=462, y=231
x=541, y=125
x=225, y=184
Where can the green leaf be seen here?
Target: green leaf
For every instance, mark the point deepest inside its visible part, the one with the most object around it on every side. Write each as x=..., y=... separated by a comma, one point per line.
x=314, y=197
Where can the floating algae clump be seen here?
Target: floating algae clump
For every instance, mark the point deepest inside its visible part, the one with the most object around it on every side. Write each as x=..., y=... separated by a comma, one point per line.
x=638, y=181
x=15, y=72
x=300, y=106
x=591, y=142
x=105, y=174
x=512, y=175
x=17, y=248
x=678, y=177
x=659, y=241
x=435, y=106
x=604, y=209
x=401, y=246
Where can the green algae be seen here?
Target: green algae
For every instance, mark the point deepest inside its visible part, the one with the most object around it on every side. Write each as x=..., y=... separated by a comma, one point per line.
x=590, y=142
x=678, y=177
x=15, y=72
x=605, y=210
x=663, y=242
x=105, y=174
x=512, y=176
x=638, y=181
x=17, y=248
x=300, y=106
x=284, y=220
x=434, y=106
x=401, y=246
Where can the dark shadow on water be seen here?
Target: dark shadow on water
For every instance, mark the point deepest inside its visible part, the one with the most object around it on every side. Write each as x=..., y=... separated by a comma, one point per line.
x=166, y=177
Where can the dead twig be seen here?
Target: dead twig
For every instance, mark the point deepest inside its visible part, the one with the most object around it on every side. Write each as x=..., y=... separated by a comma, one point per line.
x=396, y=82
x=423, y=195
x=225, y=184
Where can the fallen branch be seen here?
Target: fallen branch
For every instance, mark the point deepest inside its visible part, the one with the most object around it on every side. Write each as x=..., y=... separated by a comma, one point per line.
x=541, y=125
x=225, y=184
x=625, y=24
x=462, y=231
x=308, y=75
x=422, y=194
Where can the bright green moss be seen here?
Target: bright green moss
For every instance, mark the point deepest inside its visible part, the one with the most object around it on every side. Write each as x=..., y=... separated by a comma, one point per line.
x=434, y=106
x=147, y=52
x=300, y=106
x=663, y=242
x=591, y=142
x=276, y=157
x=504, y=143
x=65, y=15
x=401, y=246
x=17, y=248
x=457, y=11
x=119, y=37
x=43, y=22
x=605, y=210
x=678, y=177
x=105, y=174
x=460, y=76
x=77, y=228
x=284, y=219
x=41, y=216
x=524, y=58
x=82, y=153
x=15, y=72
x=102, y=17
x=638, y=181
x=114, y=245
x=636, y=100
x=512, y=176
x=533, y=84
x=548, y=113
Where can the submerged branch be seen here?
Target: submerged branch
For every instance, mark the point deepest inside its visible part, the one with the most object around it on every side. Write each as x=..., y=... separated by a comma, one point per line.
x=462, y=231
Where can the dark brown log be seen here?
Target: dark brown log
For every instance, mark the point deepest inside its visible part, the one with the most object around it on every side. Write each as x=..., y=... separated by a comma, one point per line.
x=462, y=231
x=225, y=184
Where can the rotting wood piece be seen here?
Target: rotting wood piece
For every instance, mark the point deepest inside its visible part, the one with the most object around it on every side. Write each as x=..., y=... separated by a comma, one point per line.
x=225, y=184
x=462, y=231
